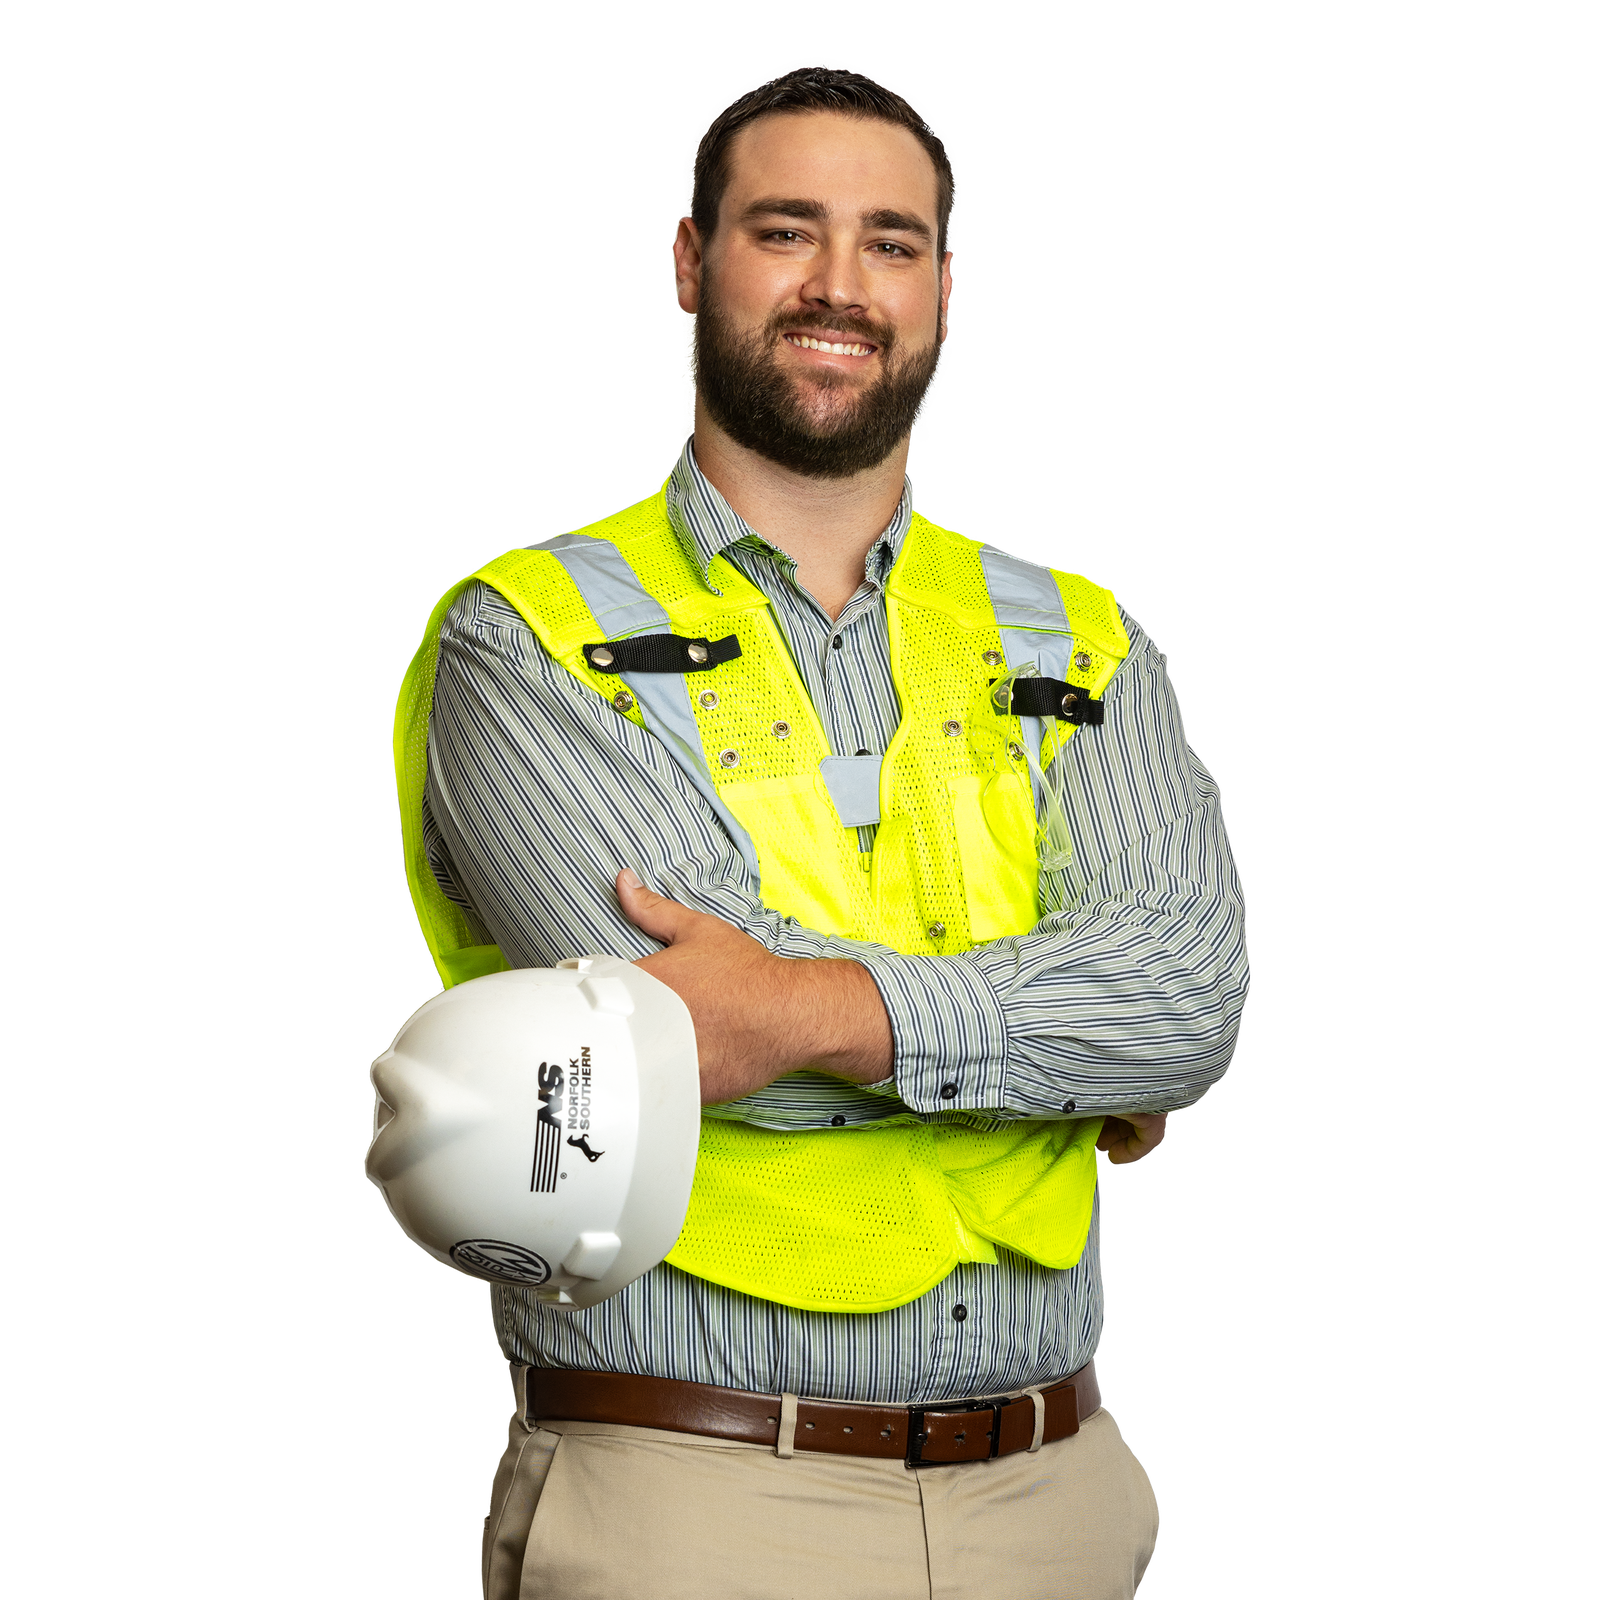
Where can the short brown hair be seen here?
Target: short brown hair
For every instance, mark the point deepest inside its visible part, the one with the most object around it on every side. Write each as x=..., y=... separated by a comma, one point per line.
x=811, y=89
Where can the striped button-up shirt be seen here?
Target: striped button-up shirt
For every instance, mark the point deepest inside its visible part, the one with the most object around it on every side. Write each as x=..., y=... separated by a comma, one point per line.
x=1125, y=996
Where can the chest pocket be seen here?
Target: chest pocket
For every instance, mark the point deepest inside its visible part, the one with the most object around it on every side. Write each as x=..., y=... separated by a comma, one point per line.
x=810, y=867
x=994, y=823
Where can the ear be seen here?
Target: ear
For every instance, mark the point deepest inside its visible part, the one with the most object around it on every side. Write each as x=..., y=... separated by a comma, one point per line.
x=686, y=259
x=944, y=294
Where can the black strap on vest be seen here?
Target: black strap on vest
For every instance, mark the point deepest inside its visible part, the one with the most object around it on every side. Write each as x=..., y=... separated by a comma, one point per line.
x=1049, y=697
x=660, y=652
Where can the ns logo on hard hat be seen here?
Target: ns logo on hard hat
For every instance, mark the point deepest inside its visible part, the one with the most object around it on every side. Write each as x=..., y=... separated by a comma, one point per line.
x=547, y=1149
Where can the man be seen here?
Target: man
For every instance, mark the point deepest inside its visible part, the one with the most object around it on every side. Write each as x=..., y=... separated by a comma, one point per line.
x=912, y=829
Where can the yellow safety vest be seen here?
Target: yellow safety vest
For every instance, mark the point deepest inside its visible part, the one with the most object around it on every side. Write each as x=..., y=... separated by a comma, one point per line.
x=862, y=1218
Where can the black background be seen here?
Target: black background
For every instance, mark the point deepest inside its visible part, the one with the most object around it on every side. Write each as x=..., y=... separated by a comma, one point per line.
x=472, y=341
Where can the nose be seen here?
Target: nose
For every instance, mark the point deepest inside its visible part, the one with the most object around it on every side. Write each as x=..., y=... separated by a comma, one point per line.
x=837, y=282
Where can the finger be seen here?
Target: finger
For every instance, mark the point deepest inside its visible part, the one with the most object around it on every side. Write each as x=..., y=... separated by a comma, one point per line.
x=1112, y=1131
x=658, y=916
x=1130, y=1137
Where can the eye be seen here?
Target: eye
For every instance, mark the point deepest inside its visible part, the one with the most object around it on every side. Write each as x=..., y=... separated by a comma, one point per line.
x=785, y=236
x=888, y=247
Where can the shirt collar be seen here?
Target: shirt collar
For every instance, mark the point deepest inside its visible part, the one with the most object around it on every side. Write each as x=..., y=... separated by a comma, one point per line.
x=706, y=524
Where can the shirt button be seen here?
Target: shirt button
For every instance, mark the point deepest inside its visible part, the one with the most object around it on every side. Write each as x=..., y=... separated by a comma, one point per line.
x=836, y=1122
x=1069, y=1106
x=838, y=642
x=958, y=1313
x=948, y=1092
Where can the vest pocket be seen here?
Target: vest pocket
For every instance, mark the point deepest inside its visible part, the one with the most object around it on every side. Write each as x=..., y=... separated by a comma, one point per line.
x=799, y=844
x=995, y=836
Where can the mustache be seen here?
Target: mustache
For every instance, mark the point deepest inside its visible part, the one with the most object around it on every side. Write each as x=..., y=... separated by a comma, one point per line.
x=863, y=329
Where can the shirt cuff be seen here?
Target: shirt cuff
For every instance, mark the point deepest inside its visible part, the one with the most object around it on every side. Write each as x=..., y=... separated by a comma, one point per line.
x=949, y=1034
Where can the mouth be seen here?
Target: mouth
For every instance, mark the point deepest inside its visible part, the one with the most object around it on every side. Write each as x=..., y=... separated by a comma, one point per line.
x=830, y=347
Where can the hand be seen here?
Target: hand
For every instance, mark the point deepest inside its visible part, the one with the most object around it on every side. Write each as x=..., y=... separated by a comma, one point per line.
x=757, y=1015
x=1132, y=1136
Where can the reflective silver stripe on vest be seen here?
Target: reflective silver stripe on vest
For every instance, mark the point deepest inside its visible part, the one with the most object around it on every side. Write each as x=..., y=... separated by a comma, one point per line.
x=624, y=607
x=1033, y=627
x=621, y=605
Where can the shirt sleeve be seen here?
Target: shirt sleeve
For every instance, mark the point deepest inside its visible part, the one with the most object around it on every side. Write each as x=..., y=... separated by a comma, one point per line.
x=1127, y=997
x=538, y=793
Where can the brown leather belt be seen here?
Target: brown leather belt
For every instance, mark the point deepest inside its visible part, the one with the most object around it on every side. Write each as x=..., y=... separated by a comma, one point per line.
x=923, y=1436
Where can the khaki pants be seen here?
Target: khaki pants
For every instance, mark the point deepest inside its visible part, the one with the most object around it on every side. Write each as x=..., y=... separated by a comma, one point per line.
x=596, y=1511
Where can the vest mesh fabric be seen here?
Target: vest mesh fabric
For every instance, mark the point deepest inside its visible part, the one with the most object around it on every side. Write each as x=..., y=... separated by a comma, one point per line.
x=810, y=864
x=982, y=1177
x=1099, y=644
x=950, y=746
x=854, y=1219
x=859, y=1240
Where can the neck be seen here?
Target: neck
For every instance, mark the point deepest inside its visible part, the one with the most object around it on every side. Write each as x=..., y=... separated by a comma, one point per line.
x=826, y=525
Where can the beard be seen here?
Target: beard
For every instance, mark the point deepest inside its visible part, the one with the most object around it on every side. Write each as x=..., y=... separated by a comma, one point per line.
x=760, y=406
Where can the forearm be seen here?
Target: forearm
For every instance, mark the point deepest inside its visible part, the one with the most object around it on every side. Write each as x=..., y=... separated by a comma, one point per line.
x=758, y=1016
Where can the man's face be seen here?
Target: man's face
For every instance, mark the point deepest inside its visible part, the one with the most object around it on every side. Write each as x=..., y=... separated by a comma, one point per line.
x=820, y=298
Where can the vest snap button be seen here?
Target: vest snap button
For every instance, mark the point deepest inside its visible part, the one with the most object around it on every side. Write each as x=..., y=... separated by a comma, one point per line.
x=936, y=930
x=698, y=654
x=1068, y=701
x=1083, y=661
x=601, y=657
x=622, y=700
x=729, y=758
x=1015, y=751
x=994, y=658
x=953, y=728
x=709, y=699
x=780, y=730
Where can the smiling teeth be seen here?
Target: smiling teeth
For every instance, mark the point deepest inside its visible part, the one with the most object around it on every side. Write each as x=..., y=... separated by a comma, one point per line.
x=806, y=342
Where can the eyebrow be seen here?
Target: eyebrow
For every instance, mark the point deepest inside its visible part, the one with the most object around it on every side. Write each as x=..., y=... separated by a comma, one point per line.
x=800, y=210
x=898, y=222
x=816, y=211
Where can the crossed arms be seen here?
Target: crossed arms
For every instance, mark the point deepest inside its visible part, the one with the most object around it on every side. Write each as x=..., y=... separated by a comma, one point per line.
x=1122, y=1003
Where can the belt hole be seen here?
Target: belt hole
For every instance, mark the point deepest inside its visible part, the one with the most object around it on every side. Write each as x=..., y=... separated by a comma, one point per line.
x=849, y=1429
x=888, y=1433
x=772, y=1419
x=960, y=1438
x=811, y=1424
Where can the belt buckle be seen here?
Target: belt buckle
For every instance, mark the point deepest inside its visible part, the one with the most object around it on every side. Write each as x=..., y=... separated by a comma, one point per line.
x=917, y=1432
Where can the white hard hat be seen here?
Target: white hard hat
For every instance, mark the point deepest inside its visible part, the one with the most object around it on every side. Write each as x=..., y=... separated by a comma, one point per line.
x=539, y=1127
